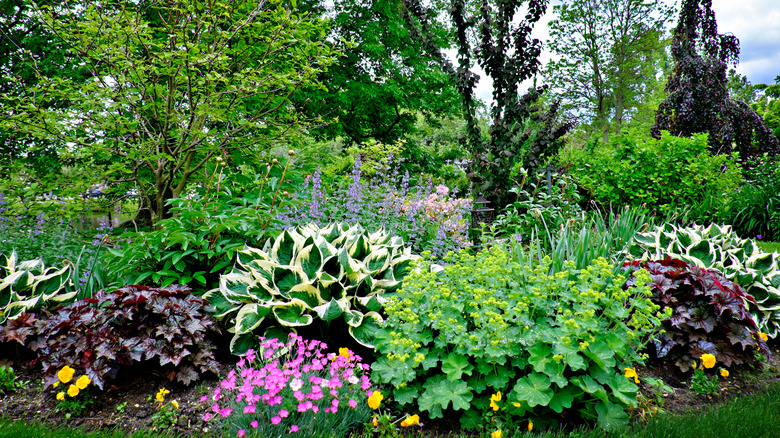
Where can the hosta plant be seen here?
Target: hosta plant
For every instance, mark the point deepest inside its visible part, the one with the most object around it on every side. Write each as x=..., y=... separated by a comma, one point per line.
x=708, y=314
x=28, y=285
x=718, y=247
x=498, y=322
x=122, y=328
x=336, y=272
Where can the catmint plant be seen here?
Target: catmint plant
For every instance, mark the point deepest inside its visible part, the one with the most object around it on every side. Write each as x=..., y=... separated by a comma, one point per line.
x=292, y=388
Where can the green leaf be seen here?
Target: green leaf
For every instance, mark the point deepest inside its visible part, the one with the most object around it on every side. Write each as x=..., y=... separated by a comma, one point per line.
x=455, y=365
x=600, y=353
x=292, y=314
x=366, y=332
x=440, y=392
x=250, y=317
x=562, y=399
x=310, y=261
x=332, y=309
x=611, y=417
x=534, y=389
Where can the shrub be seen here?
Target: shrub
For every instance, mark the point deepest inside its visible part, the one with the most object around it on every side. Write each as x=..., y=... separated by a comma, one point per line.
x=489, y=322
x=718, y=247
x=334, y=273
x=428, y=218
x=293, y=388
x=635, y=169
x=754, y=209
x=206, y=229
x=122, y=328
x=708, y=314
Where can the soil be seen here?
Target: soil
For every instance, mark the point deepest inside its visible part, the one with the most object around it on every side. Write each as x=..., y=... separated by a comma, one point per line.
x=129, y=403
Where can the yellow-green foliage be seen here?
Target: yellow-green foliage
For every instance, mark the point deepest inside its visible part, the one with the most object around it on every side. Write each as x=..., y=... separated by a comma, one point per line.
x=635, y=169
x=374, y=155
x=491, y=322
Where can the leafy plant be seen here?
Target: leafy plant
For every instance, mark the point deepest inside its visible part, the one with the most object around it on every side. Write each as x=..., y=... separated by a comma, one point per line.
x=498, y=321
x=77, y=398
x=292, y=388
x=637, y=170
x=28, y=285
x=707, y=314
x=9, y=381
x=428, y=218
x=718, y=247
x=535, y=208
x=167, y=413
x=122, y=328
x=700, y=383
x=335, y=272
x=200, y=239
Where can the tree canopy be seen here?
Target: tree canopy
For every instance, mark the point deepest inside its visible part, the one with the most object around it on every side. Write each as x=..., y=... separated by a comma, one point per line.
x=698, y=97
x=170, y=85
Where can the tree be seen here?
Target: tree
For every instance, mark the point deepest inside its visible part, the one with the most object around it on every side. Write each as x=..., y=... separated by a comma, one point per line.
x=521, y=134
x=768, y=105
x=698, y=97
x=171, y=84
x=383, y=80
x=608, y=56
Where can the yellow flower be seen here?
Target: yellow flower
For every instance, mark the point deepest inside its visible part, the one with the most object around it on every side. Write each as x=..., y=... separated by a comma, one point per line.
x=374, y=422
x=175, y=404
x=374, y=400
x=708, y=360
x=161, y=395
x=496, y=434
x=55, y=384
x=73, y=390
x=530, y=426
x=60, y=395
x=630, y=372
x=694, y=365
x=66, y=374
x=724, y=372
x=82, y=382
x=411, y=421
x=493, y=399
x=517, y=405
x=344, y=352
x=763, y=336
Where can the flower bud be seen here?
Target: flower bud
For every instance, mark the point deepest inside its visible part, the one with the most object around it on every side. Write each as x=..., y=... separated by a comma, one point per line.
x=219, y=159
x=274, y=161
x=291, y=152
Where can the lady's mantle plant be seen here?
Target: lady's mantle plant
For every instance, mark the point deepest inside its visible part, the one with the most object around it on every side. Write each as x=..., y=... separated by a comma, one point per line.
x=334, y=272
x=496, y=321
x=293, y=388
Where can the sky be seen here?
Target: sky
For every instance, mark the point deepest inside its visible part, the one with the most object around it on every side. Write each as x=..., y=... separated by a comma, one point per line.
x=756, y=23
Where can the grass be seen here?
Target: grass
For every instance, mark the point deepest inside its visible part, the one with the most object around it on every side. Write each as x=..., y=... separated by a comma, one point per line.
x=754, y=415
x=769, y=246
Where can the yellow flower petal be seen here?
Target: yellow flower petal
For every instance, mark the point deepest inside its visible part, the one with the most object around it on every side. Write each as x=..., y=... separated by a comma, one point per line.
x=175, y=404
x=82, y=382
x=66, y=374
x=724, y=372
x=530, y=426
x=708, y=360
x=73, y=390
x=497, y=434
x=763, y=336
x=60, y=395
x=411, y=421
x=374, y=422
x=375, y=399
x=56, y=384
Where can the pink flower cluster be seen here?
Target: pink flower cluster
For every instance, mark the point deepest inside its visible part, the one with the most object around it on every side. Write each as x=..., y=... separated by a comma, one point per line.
x=439, y=207
x=295, y=378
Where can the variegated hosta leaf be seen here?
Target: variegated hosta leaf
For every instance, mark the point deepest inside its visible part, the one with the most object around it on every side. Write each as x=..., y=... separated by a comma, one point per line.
x=292, y=314
x=332, y=309
x=377, y=261
x=250, y=317
x=366, y=332
x=309, y=260
x=222, y=306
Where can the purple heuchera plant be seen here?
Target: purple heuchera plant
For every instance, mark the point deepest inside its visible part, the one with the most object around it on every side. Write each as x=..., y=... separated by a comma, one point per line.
x=292, y=387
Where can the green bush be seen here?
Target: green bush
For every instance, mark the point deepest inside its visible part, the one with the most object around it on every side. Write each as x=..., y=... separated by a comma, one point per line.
x=493, y=322
x=335, y=273
x=636, y=169
x=206, y=229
